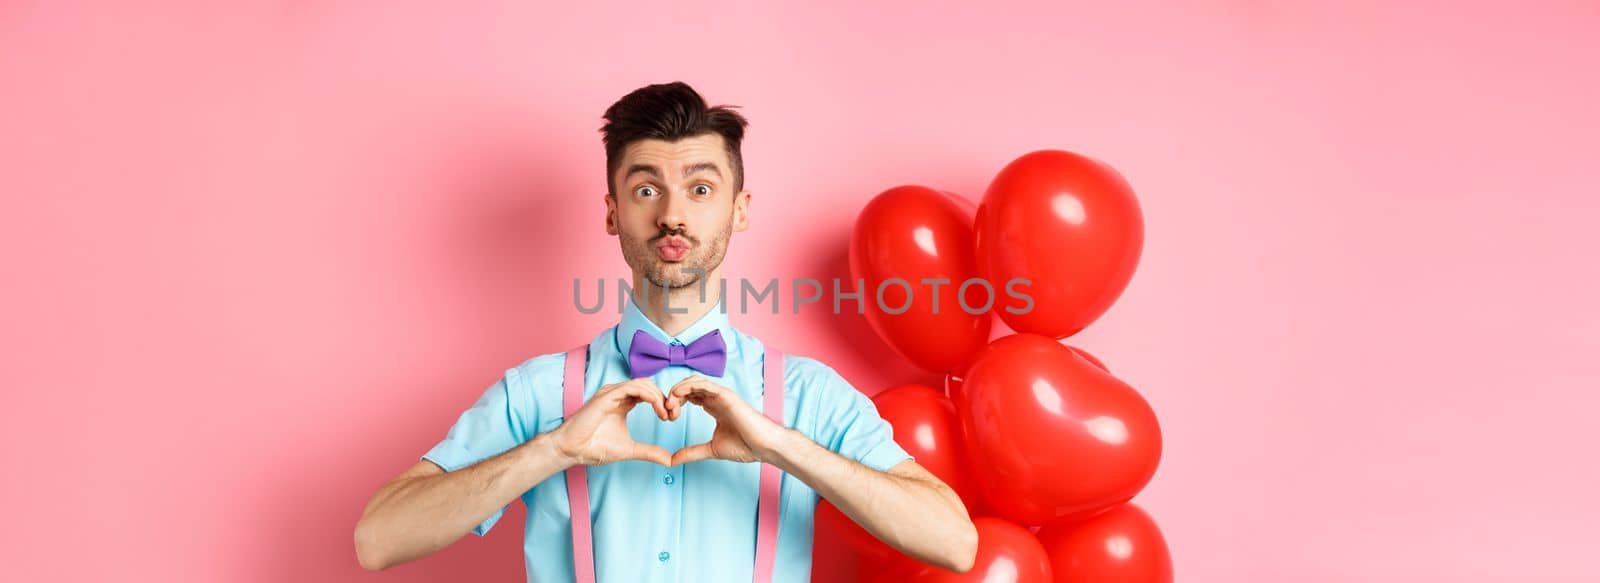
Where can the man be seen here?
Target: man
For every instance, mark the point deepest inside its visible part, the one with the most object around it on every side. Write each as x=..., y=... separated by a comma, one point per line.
x=673, y=487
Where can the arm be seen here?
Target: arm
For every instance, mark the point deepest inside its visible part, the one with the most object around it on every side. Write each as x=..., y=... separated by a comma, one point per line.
x=906, y=507
x=425, y=509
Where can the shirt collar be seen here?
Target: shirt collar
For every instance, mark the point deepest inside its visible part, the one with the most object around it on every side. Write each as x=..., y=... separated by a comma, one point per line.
x=633, y=320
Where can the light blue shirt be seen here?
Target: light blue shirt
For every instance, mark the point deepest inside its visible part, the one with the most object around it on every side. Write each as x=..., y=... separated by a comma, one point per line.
x=694, y=522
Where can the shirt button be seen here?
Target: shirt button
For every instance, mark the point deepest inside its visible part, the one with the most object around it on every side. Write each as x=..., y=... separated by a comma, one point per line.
x=664, y=556
x=668, y=480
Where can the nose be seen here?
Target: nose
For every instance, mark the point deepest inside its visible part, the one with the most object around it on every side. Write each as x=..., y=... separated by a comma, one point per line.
x=670, y=212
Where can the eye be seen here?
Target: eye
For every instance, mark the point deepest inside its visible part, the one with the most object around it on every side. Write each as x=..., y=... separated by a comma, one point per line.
x=645, y=190
x=702, y=190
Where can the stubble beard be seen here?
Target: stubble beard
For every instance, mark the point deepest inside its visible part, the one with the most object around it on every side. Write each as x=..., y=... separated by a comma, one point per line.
x=673, y=275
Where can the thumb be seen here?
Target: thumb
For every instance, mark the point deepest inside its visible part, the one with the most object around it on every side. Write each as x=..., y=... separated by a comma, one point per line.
x=693, y=453
x=650, y=453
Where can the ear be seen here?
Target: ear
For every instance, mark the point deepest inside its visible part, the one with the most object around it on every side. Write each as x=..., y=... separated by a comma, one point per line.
x=741, y=210
x=611, y=214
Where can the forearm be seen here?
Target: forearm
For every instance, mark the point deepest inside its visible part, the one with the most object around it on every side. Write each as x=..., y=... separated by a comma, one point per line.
x=922, y=518
x=418, y=516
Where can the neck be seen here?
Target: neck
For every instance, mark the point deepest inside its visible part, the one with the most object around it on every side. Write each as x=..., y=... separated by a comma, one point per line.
x=673, y=310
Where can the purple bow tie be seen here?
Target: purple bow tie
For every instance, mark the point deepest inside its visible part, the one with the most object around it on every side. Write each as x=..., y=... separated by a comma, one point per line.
x=707, y=354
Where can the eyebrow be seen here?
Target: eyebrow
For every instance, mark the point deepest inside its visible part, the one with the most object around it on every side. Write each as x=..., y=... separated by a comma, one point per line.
x=687, y=170
x=701, y=167
x=645, y=168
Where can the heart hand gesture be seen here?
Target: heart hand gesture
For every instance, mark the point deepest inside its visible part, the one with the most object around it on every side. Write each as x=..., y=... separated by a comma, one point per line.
x=743, y=434
x=597, y=433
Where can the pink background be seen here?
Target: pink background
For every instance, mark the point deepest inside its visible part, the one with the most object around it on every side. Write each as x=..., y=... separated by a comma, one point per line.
x=258, y=257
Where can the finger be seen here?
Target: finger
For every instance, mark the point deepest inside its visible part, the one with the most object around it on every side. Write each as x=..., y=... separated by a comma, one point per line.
x=650, y=453
x=697, y=394
x=641, y=393
x=613, y=397
x=648, y=392
x=692, y=454
x=677, y=396
x=672, y=403
x=623, y=386
x=711, y=399
x=693, y=389
x=687, y=381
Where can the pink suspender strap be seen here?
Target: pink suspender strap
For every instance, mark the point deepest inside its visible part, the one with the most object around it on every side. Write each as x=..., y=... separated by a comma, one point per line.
x=767, y=505
x=577, y=476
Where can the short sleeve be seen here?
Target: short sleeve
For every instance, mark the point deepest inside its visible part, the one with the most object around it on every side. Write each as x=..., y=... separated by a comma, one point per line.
x=493, y=425
x=854, y=428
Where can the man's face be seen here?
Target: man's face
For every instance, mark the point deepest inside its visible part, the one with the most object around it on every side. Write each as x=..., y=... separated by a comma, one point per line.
x=675, y=208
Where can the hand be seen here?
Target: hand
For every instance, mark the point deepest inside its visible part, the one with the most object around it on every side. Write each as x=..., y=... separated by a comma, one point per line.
x=743, y=434
x=597, y=433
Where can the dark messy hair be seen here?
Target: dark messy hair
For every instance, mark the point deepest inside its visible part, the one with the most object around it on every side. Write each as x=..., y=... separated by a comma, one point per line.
x=670, y=112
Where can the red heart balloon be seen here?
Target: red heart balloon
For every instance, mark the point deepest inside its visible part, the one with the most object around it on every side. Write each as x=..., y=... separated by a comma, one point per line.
x=888, y=570
x=1068, y=224
x=952, y=381
x=832, y=559
x=914, y=233
x=1090, y=357
x=1120, y=544
x=926, y=426
x=1050, y=435
x=1007, y=553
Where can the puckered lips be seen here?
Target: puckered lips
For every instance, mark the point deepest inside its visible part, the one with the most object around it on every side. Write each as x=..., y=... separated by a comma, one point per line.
x=672, y=248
